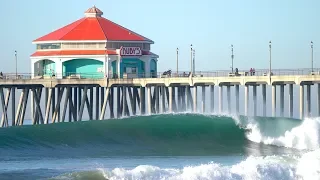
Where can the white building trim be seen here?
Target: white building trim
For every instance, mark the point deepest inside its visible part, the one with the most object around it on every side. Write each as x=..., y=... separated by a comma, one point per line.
x=68, y=56
x=69, y=41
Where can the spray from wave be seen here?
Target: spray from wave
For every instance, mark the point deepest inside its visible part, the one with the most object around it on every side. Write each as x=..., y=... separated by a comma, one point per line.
x=270, y=167
x=305, y=136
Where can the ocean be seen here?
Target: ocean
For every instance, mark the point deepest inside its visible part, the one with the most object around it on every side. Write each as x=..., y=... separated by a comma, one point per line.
x=166, y=146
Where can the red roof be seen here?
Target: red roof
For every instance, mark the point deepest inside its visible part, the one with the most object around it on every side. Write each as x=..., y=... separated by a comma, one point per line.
x=80, y=52
x=93, y=27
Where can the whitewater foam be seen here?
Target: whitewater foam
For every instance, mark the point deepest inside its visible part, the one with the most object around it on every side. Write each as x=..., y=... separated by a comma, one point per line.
x=304, y=137
x=270, y=167
x=309, y=165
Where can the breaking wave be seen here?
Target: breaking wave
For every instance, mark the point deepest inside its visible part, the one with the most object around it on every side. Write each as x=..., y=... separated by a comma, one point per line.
x=305, y=136
x=271, y=167
x=163, y=135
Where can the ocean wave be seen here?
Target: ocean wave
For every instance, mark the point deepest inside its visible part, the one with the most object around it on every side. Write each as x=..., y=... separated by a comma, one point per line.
x=165, y=134
x=305, y=136
x=258, y=168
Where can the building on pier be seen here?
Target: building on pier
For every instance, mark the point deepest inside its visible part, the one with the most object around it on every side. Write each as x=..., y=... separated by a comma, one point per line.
x=93, y=47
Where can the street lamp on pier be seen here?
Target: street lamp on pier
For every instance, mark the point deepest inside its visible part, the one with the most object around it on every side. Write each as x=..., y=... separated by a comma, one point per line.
x=311, y=56
x=177, y=61
x=232, y=56
x=191, y=51
x=270, y=58
x=16, y=59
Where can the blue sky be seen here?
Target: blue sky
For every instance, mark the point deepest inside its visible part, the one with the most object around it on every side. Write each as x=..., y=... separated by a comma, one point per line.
x=210, y=25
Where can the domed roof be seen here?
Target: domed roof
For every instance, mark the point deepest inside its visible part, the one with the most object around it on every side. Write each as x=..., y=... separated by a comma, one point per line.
x=93, y=12
x=93, y=27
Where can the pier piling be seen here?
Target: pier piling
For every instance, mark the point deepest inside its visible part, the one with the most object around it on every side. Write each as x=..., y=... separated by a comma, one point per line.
x=290, y=100
x=254, y=92
x=220, y=99
x=246, y=100
x=282, y=100
x=274, y=100
x=301, y=101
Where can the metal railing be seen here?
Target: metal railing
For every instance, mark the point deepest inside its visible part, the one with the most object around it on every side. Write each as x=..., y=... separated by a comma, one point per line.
x=12, y=76
x=165, y=74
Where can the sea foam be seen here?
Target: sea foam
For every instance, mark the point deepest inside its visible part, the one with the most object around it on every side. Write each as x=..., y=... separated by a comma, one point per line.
x=271, y=167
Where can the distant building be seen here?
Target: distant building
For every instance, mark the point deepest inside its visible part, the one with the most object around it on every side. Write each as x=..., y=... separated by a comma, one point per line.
x=92, y=46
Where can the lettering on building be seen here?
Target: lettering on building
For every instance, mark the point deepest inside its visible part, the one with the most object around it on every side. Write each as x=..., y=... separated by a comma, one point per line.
x=130, y=51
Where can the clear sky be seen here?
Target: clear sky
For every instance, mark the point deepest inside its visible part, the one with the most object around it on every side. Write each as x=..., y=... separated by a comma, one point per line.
x=210, y=25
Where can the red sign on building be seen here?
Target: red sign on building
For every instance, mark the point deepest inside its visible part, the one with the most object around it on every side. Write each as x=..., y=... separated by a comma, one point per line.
x=130, y=51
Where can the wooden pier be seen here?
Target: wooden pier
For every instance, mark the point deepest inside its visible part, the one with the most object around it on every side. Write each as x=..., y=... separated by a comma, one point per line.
x=66, y=100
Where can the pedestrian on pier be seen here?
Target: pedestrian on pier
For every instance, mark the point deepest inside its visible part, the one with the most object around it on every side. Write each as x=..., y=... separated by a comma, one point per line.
x=250, y=71
x=189, y=75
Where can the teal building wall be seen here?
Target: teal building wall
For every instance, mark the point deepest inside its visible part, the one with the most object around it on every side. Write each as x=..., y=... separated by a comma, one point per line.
x=48, y=66
x=153, y=68
x=87, y=68
x=129, y=63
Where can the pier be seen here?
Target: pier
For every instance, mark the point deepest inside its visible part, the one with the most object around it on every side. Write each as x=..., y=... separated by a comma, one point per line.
x=53, y=100
x=95, y=69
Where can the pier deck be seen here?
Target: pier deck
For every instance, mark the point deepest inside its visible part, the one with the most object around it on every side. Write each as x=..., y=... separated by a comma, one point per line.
x=169, y=81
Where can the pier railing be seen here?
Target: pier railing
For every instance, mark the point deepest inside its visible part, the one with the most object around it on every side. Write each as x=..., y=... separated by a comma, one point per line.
x=164, y=74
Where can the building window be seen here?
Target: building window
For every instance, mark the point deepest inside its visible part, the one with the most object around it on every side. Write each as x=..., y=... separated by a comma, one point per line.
x=83, y=45
x=134, y=70
x=110, y=45
x=118, y=45
x=146, y=46
x=91, y=46
x=101, y=45
x=129, y=45
x=49, y=46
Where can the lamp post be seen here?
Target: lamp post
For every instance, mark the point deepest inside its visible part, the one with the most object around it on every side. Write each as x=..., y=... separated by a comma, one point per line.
x=15, y=55
x=270, y=58
x=232, y=56
x=191, y=58
x=311, y=56
x=177, y=61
